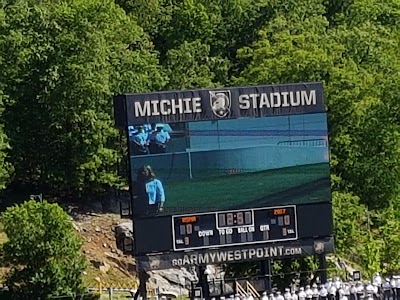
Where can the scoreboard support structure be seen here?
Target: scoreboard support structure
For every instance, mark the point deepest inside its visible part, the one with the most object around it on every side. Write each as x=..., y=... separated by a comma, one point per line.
x=203, y=282
x=266, y=271
x=323, y=268
x=142, y=288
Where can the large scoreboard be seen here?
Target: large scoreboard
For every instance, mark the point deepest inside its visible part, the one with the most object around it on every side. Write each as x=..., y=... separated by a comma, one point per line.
x=231, y=228
x=228, y=174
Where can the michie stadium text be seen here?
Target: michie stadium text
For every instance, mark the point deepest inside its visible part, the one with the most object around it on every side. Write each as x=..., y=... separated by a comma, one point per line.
x=236, y=255
x=246, y=101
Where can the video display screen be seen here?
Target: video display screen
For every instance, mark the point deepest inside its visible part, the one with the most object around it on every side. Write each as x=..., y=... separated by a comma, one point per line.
x=227, y=164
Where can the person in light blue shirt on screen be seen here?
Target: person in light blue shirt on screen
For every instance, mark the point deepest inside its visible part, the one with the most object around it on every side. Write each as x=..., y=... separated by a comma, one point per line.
x=159, y=140
x=140, y=142
x=131, y=131
x=148, y=128
x=153, y=188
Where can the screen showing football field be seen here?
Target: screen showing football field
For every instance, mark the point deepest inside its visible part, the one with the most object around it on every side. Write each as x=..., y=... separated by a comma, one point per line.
x=226, y=164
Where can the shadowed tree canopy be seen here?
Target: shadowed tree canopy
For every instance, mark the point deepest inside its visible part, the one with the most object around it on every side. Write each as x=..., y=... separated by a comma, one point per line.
x=62, y=62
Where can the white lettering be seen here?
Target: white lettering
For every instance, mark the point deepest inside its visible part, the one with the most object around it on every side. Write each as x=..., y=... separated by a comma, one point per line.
x=254, y=97
x=186, y=260
x=212, y=256
x=155, y=111
x=264, y=227
x=242, y=229
x=221, y=231
x=221, y=256
x=164, y=109
x=142, y=111
x=186, y=102
x=294, y=102
x=308, y=100
x=264, y=101
x=260, y=253
x=285, y=102
x=176, y=106
x=266, y=252
x=252, y=252
x=277, y=99
x=244, y=102
x=230, y=255
x=193, y=258
x=244, y=251
x=206, y=233
x=276, y=96
x=197, y=105
x=237, y=255
x=203, y=259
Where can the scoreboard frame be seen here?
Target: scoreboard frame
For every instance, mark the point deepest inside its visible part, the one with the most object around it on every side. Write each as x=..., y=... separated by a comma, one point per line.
x=231, y=211
x=158, y=252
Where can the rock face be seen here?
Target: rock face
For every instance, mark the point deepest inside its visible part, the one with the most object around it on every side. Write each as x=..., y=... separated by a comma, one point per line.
x=172, y=282
x=124, y=237
x=175, y=282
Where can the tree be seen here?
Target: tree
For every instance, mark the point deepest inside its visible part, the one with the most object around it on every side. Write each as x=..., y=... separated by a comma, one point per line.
x=219, y=27
x=6, y=168
x=350, y=47
x=62, y=63
x=43, y=251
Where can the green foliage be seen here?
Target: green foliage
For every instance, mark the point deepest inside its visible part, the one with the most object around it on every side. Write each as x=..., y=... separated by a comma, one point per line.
x=210, y=31
x=389, y=227
x=353, y=236
x=62, y=61
x=242, y=270
x=357, y=61
x=188, y=66
x=286, y=271
x=6, y=168
x=61, y=65
x=43, y=251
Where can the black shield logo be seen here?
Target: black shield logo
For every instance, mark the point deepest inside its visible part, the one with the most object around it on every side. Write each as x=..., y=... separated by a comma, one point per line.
x=220, y=102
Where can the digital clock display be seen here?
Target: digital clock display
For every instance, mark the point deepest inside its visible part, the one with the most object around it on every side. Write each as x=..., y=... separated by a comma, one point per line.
x=230, y=219
x=228, y=228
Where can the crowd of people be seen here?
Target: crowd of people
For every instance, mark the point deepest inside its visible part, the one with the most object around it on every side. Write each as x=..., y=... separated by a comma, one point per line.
x=148, y=139
x=336, y=289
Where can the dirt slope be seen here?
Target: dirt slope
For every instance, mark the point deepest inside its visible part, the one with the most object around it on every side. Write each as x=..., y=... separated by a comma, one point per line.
x=106, y=262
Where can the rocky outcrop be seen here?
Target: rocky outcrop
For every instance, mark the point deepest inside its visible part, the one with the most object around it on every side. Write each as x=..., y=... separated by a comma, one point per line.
x=171, y=282
x=124, y=237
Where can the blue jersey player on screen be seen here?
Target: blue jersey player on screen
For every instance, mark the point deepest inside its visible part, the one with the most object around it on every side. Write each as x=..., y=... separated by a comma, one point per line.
x=158, y=140
x=152, y=188
x=140, y=142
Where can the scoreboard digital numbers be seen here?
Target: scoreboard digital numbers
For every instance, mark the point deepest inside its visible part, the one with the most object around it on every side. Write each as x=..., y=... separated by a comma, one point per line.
x=229, y=228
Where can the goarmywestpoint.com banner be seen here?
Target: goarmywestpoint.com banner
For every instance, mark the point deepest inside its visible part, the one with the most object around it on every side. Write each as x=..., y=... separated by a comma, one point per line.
x=236, y=254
